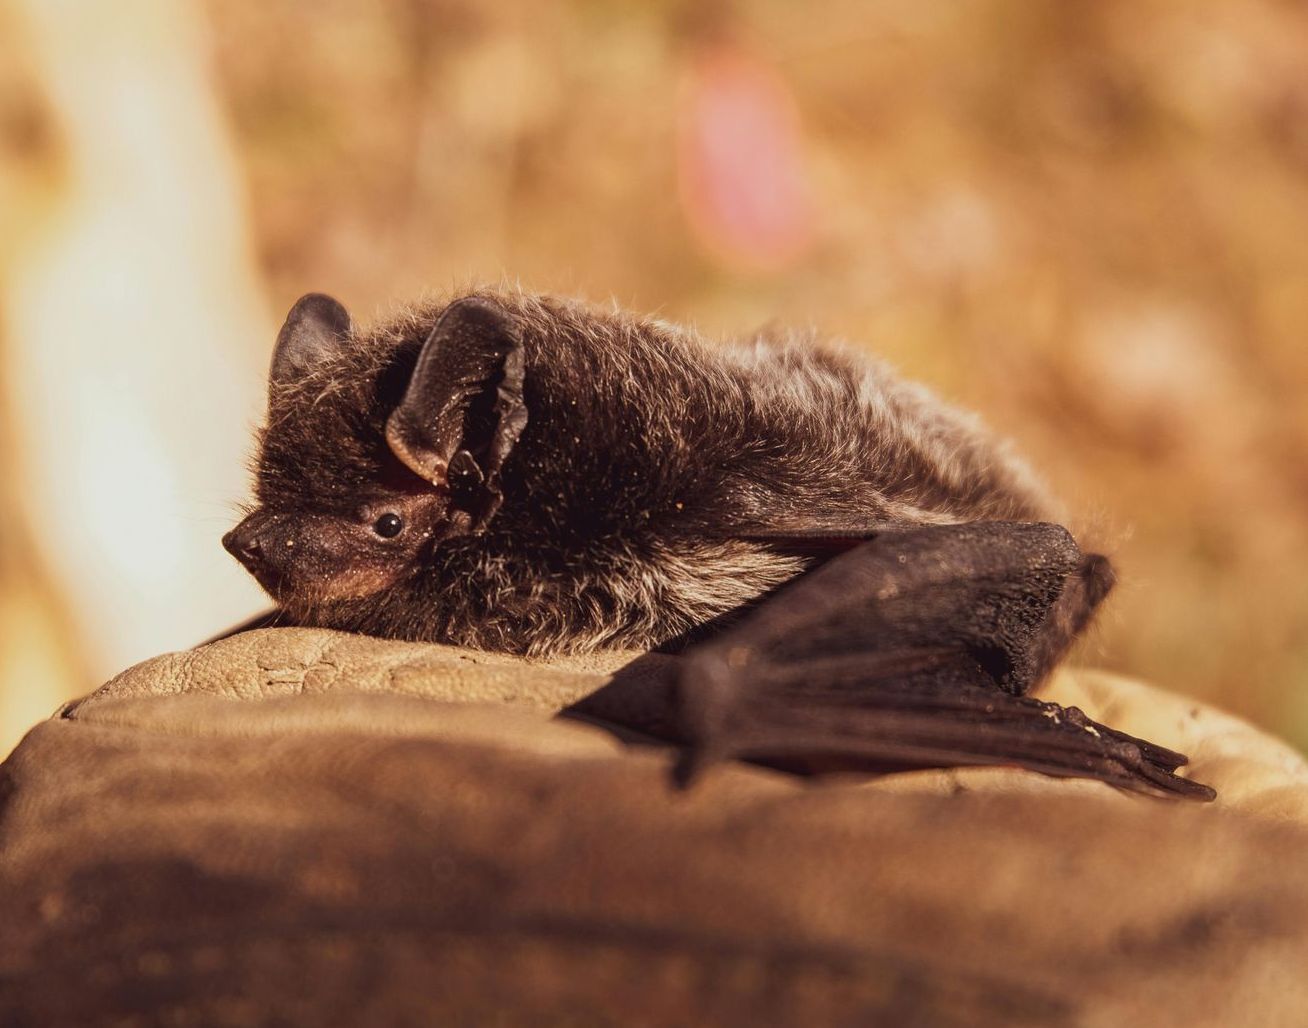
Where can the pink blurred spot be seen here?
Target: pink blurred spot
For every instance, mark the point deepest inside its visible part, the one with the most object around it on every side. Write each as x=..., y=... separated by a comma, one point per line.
x=740, y=164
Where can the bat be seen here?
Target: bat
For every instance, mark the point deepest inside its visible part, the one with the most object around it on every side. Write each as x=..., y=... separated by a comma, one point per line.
x=860, y=575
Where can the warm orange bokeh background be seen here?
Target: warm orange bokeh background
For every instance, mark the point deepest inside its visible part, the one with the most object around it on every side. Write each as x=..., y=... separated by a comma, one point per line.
x=1086, y=218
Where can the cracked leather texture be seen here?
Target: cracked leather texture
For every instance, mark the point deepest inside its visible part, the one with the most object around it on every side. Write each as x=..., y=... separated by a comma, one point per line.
x=309, y=827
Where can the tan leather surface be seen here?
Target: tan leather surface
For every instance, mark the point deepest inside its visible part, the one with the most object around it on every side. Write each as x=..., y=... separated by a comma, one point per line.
x=1252, y=771
x=329, y=829
x=290, y=661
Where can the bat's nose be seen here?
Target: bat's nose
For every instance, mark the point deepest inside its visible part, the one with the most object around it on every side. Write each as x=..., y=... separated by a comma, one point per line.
x=243, y=544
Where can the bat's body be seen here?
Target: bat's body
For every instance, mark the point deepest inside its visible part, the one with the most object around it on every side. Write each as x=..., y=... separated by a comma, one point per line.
x=527, y=474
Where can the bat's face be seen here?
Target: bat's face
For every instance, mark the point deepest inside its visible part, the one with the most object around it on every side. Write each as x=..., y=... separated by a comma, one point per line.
x=305, y=557
x=361, y=477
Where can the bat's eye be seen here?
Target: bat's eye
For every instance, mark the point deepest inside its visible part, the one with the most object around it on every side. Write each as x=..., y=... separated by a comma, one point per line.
x=388, y=526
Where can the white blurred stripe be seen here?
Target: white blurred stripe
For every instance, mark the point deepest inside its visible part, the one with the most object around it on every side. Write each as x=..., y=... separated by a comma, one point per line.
x=138, y=333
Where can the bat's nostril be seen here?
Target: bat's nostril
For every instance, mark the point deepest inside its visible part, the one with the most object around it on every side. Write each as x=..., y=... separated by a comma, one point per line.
x=244, y=546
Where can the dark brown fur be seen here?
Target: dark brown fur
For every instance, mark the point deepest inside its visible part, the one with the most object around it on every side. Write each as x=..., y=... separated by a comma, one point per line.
x=640, y=498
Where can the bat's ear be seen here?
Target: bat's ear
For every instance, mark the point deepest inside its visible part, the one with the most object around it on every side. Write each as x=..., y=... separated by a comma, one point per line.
x=463, y=409
x=316, y=328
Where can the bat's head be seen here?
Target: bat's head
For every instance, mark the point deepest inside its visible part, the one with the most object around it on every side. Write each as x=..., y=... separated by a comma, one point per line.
x=375, y=452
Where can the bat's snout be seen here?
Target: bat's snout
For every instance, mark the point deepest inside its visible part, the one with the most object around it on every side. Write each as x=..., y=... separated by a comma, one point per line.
x=254, y=543
x=242, y=542
x=307, y=556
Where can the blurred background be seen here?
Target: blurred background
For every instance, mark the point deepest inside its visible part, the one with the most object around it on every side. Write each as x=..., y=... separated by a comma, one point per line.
x=1087, y=219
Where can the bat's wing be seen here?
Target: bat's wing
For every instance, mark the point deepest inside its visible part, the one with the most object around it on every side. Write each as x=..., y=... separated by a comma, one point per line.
x=915, y=649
